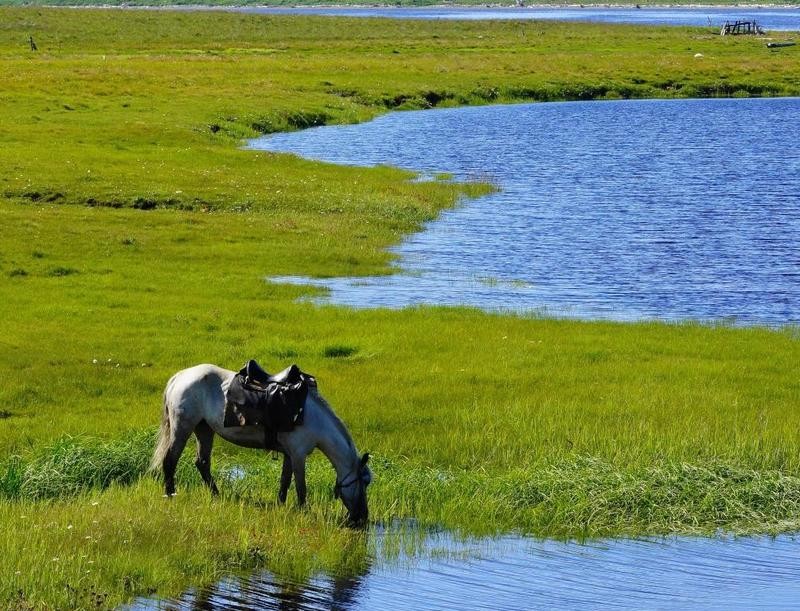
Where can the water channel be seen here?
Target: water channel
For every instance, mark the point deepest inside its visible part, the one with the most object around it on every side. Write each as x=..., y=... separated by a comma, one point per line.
x=770, y=18
x=623, y=210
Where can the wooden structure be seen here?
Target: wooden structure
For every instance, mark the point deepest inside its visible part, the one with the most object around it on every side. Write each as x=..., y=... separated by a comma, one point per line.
x=738, y=28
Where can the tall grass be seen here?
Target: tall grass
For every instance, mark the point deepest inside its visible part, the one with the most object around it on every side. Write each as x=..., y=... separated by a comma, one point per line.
x=74, y=465
x=100, y=550
x=563, y=496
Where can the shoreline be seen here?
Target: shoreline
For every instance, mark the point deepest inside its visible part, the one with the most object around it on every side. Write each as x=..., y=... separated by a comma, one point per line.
x=473, y=7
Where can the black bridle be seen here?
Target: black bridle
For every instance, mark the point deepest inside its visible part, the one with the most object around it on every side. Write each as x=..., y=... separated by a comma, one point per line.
x=355, y=476
x=361, y=477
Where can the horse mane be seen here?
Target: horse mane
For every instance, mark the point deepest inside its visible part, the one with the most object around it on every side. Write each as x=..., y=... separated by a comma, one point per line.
x=323, y=403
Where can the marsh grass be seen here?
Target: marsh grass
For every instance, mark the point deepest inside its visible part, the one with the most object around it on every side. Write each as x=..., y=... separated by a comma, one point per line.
x=569, y=497
x=136, y=236
x=73, y=465
x=100, y=550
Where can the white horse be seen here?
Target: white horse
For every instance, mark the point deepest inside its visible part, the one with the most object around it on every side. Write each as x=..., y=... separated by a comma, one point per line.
x=194, y=402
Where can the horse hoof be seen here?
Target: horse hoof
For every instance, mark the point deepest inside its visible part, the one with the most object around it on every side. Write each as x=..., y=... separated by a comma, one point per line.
x=169, y=495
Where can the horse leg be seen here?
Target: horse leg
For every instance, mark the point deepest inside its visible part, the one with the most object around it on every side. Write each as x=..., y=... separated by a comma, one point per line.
x=299, y=470
x=180, y=436
x=286, y=479
x=205, y=441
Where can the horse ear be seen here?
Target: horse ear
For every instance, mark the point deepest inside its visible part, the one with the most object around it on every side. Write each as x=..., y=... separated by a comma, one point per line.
x=364, y=459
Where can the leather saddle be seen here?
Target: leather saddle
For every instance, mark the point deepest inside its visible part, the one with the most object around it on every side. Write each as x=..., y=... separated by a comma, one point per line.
x=256, y=376
x=253, y=397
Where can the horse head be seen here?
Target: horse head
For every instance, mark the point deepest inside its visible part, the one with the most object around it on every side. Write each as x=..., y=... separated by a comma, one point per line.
x=352, y=490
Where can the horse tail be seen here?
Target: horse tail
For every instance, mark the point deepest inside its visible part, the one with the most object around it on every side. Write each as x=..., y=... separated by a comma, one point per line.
x=164, y=439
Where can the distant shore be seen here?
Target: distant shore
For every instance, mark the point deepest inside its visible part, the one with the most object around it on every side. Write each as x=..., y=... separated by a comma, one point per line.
x=490, y=5
x=451, y=5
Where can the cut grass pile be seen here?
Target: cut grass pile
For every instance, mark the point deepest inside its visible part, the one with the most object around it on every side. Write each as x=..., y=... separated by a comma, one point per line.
x=136, y=236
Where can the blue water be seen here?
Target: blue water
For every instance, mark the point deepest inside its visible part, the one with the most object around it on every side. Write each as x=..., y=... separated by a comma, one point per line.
x=770, y=18
x=515, y=573
x=629, y=210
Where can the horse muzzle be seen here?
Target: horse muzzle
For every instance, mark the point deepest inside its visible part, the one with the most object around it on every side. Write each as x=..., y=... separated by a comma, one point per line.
x=357, y=519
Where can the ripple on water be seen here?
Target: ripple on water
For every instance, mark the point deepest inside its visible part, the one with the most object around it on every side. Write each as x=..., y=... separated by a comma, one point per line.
x=771, y=19
x=670, y=209
x=519, y=573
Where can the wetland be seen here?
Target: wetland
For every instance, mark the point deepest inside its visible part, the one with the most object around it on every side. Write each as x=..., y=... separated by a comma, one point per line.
x=136, y=236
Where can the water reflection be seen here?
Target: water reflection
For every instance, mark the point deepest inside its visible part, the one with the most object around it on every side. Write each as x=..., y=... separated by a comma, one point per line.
x=520, y=573
x=264, y=591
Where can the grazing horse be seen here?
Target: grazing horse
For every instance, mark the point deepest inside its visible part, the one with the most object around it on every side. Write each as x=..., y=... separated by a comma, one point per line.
x=194, y=402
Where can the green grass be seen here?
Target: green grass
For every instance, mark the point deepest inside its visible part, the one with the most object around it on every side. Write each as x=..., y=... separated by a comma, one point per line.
x=136, y=235
x=128, y=540
x=95, y=553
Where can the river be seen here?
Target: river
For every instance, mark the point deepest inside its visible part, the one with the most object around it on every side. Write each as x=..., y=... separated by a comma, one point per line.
x=624, y=210
x=770, y=18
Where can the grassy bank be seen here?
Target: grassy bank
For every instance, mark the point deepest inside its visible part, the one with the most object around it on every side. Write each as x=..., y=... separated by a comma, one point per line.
x=135, y=238
x=144, y=109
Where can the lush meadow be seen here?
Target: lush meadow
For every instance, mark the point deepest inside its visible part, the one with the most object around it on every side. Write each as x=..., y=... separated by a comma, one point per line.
x=135, y=236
